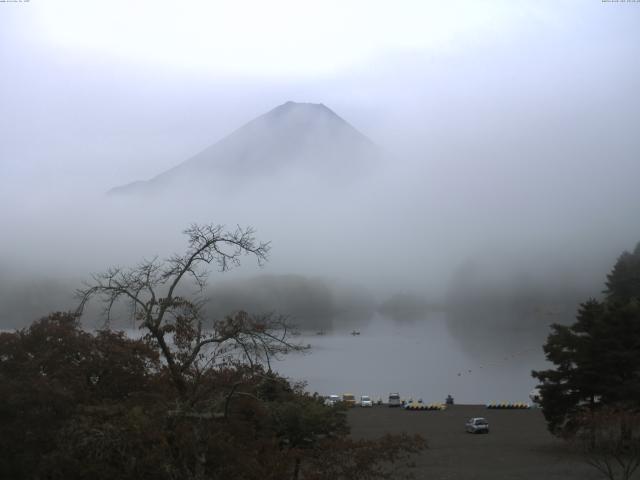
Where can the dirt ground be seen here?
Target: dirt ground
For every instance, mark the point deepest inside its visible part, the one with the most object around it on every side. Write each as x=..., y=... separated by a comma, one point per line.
x=518, y=446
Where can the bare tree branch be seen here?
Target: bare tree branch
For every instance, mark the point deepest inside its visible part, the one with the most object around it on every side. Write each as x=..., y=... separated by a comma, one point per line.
x=175, y=323
x=609, y=438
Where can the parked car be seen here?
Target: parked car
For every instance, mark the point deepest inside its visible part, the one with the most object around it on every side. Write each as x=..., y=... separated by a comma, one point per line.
x=365, y=401
x=477, y=425
x=331, y=400
x=349, y=399
x=394, y=400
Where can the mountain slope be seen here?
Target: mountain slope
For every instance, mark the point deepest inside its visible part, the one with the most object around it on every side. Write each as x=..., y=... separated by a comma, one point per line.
x=294, y=137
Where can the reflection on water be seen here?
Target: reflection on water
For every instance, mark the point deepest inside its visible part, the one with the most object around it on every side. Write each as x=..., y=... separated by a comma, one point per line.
x=426, y=359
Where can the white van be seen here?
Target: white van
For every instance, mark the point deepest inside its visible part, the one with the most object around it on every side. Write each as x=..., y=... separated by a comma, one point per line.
x=394, y=400
x=331, y=400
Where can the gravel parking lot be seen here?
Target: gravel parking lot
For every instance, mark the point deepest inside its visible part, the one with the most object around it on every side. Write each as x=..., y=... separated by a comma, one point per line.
x=518, y=446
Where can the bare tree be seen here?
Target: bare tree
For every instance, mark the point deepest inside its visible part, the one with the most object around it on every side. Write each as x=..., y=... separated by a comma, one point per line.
x=175, y=323
x=193, y=351
x=609, y=438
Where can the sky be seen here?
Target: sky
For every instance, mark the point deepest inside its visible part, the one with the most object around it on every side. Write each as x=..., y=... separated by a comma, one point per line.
x=278, y=38
x=80, y=74
x=512, y=126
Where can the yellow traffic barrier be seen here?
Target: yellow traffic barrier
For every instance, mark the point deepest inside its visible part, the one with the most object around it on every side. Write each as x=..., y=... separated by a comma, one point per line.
x=508, y=406
x=425, y=406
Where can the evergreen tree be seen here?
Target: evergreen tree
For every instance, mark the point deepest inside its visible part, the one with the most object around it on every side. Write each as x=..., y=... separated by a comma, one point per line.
x=623, y=283
x=597, y=359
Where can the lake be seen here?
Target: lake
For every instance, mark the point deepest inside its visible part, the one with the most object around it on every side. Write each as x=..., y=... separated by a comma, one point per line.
x=421, y=359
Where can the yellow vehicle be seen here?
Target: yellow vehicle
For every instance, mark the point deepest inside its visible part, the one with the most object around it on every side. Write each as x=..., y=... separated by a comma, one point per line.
x=349, y=399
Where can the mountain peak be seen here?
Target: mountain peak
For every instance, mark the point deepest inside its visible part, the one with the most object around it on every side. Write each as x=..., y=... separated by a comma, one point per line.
x=290, y=105
x=302, y=110
x=309, y=137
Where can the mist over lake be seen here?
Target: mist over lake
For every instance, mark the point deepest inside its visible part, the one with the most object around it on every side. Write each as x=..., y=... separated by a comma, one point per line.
x=470, y=177
x=215, y=214
x=422, y=359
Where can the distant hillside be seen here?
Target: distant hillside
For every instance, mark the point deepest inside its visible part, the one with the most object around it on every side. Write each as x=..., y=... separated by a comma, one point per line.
x=294, y=137
x=310, y=303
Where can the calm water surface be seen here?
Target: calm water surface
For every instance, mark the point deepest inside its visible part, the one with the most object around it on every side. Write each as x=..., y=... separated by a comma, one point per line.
x=420, y=360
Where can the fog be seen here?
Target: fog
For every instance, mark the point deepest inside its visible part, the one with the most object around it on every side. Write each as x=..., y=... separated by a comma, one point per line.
x=502, y=188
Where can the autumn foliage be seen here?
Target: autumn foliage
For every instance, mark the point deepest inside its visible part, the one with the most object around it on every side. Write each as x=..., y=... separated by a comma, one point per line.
x=80, y=405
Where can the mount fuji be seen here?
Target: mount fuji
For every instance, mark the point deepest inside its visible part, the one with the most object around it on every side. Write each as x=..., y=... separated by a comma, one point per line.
x=293, y=138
